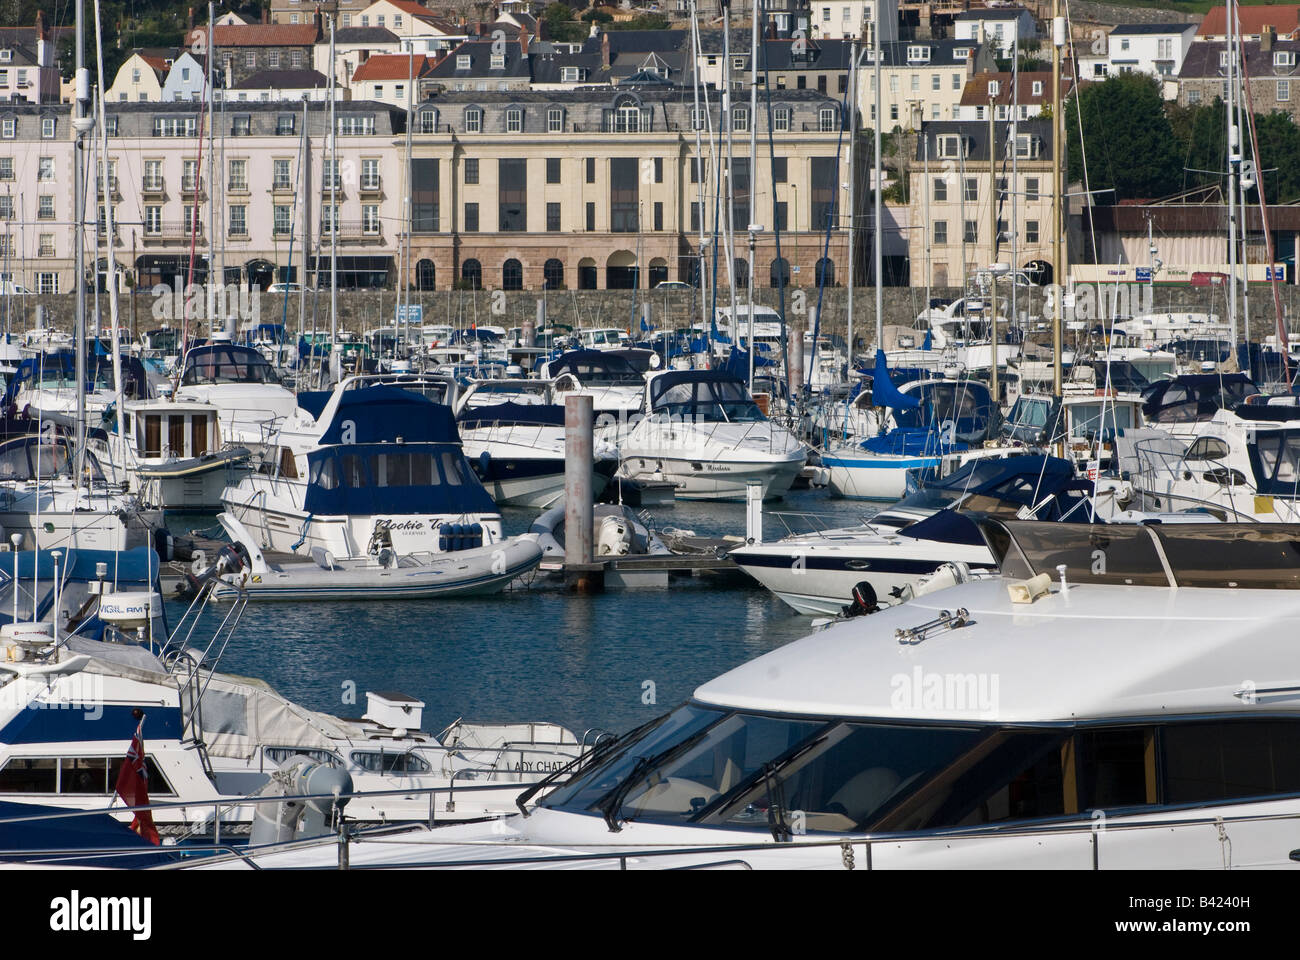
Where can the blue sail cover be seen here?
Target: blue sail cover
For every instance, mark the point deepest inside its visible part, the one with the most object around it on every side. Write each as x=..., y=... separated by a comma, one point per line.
x=381, y=414
x=359, y=479
x=883, y=391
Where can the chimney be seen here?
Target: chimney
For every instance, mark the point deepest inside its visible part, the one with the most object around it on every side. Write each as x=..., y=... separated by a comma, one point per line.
x=523, y=42
x=316, y=18
x=604, y=50
x=771, y=30
x=1266, y=39
x=42, y=29
x=191, y=18
x=266, y=14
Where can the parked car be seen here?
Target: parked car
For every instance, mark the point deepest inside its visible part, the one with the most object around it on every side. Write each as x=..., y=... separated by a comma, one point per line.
x=672, y=285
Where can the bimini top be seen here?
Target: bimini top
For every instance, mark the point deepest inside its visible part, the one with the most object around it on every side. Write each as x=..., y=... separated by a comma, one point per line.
x=510, y=413
x=594, y=368
x=1193, y=397
x=709, y=395
x=226, y=363
x=382, y=414
x=1107, y=647
x=1001, y=485
x=62, y=366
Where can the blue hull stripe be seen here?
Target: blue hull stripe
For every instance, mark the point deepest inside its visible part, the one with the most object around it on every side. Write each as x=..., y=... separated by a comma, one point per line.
x=64, y=723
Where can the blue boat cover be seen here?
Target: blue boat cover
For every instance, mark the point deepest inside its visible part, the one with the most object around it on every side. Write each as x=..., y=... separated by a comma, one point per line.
x=910, y=442
x=883, y=391
x=509, y=412
x=92, y=833
x=381, y=414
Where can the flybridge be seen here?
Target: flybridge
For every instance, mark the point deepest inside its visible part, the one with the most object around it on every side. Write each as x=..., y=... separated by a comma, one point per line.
x=1216, y=555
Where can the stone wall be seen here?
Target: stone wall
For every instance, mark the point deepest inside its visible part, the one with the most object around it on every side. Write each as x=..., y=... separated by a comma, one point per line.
x=363, y=310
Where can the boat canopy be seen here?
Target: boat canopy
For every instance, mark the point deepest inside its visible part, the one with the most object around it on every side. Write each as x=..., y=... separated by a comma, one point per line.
x=383, y=414
x=703, y=394
x=964, y=402
x=24, y=459
x=61, y=366
x=995, y=483
x=226, y=363
x=1275, y=461
x=394, y=479
x=509, y=412
x=1193, y=397
x=595, y=368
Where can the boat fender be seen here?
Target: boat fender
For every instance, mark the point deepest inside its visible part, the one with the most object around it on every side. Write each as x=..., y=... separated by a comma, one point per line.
x=476, y=535
x=484, y=462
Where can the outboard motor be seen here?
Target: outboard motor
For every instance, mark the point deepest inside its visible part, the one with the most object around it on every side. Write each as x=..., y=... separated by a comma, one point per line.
x=300, y=819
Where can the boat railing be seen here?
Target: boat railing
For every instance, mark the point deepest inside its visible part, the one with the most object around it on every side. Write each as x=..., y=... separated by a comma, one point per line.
x=802, y=524
x=848, y=851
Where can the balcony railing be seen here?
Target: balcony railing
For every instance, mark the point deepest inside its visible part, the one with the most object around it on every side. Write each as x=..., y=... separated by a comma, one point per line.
x=355, y=230
x=372, y=184
x=172, y=232
x=191, y=185
x=331, y=183
x=153, y=185
x=237, y=186
x=113, y=190
x=282, y=186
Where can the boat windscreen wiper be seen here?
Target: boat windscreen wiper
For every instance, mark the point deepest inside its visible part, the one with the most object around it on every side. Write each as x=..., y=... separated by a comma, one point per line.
x=614, y=801
x=580, y=763
x=775, y=804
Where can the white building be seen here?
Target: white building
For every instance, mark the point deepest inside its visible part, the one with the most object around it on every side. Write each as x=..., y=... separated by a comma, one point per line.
x=1002, y=28
x=1157, y=49
x=849, y=19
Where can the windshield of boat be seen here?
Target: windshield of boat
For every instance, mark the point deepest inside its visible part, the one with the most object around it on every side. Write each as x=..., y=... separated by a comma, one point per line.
x=611, y=371
x=722, y=401
x=27, y=458
x=958, y=488
x=1085, y=418
x=228, y=364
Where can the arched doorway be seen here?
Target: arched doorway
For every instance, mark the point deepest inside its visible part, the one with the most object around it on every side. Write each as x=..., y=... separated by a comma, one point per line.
x=741, y=273
x=588, y=275
x=780, y=275
x=261, y=274
x=471, y=275
x=621, y=271
x=657, y=272
x=425, y=275
x=553, y=275
x=512, y=275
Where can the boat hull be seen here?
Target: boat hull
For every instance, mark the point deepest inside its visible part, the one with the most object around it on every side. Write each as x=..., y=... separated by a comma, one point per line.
x=716, y=479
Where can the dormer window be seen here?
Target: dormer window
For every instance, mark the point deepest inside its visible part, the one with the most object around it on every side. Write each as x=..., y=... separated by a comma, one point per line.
x=498, y=61
x=961, y=53
x=951, y=146
x=1283, y=58
x=918, y=54
x=993, y=88
x=6, y=56
x=1028, y=147
x=428, y=121
x=473, y=120
x=570, y=74
x=462, y=61
x=1038, y=88
x=514, y=120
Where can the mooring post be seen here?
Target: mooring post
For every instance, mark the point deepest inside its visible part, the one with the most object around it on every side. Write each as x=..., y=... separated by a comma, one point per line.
x=580, y=572
x=754, y=511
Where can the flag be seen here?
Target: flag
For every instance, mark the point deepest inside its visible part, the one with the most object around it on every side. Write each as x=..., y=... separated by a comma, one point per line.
x=133, y=786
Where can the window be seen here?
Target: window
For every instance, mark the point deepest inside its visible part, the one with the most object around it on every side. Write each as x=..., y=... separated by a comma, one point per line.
x=462, y=61
x=329, y=218
x=972, y=190
x=956, y=81
x=45, y=207
x=47, y=128
x=658, y=215
x=893, y=111
x=280, y=175
x=940, y=231
x=591, y=217
x=45, y=170
x=46, y=246
x=273, y=60
x=1031, y=231
x=569, y=75
x=285, y=125
x=970, y=232
x=399, y=91
x=951, y=146
x=553, y=275
x=471, y=170
x=6, y=207
x=47, y=283
x=514, y=120
x=552, y=218
x=1283, y=90
x=6, y=168
x=295, y=59
x=473, y=120
x=356, y=125
x=1031, y=188
x=782, y=216
x=250, y=59
x=239, y=175
x=498, y=61
x=8, y=128
x=1283, y=58
x=471, y=218
x=282, y=220
x=1038, y=88
x=591, y=169
x=555, y=120
x=914, y=54
x=1193, y=95
x=370, y=219
x=428, y=121
x=780, y=169
x=241, y=126
x=512, y=188
x=512, y=278
x=827, y=118
x=940, y=192
x=552, y=169
x=238, y=221
x=781, y=120
x=624, y=185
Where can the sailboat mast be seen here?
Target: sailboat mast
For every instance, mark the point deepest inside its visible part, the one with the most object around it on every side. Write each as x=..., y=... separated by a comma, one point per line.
x=753, y=173
x=334, y=213
x=82, y=124
x=1058, y=221
x=1234, y=164
x=216, y=272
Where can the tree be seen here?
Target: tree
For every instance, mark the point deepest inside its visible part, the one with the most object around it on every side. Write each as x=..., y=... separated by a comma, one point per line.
x=1202, y=134
x=1130, y=143
x=560, y=24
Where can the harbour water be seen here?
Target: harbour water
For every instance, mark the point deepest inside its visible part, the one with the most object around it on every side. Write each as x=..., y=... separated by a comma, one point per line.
x=535, y=652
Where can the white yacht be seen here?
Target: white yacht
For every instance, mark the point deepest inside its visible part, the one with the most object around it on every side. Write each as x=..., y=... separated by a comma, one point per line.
x=1119, y=698
x=899, y=548
x=377, y=467
x=706, y=434
x=513, y=434
x=250, y=398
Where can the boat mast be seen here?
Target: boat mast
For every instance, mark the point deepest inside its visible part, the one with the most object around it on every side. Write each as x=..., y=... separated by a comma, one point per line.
x=216, y=263
x=753, y=173
x=82, y=124
x=334, y=214
x=1058, y=221
x=877, y=212
x=1234, y=166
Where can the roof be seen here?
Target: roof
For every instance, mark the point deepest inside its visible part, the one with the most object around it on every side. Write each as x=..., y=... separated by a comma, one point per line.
x=1150, y=29
x=364, y=35
x=941, y=53
x=1105, y=650
x=976, y=91
x=393, y=66
x=1202, y=59
x=977, y=132
x=480, y=53
x=1252, y=20
x=259, y=35
x=284, y=80
x=993, y=13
